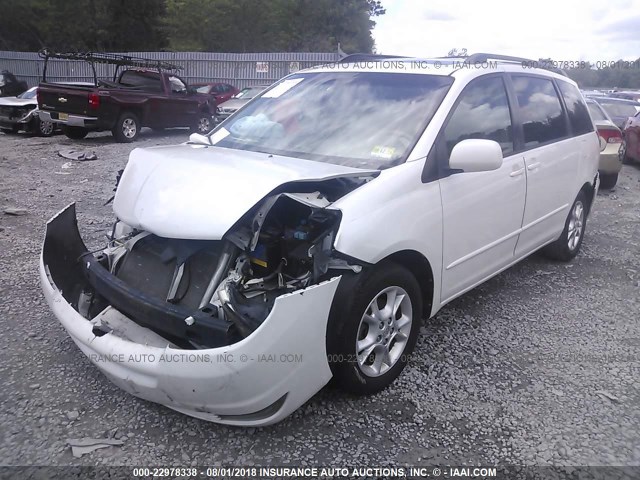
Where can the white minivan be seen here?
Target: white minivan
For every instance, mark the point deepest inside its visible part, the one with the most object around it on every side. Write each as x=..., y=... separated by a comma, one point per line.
x=308, y=235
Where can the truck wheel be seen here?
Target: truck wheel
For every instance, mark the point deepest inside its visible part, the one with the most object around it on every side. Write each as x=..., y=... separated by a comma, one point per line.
x=568, y=245
x=371, y=335
x=204, y=124
x=42, y=129
x=75, y=133
x=127, y=128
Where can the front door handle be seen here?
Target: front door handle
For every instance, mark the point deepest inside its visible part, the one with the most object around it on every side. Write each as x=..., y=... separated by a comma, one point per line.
x=517, y=173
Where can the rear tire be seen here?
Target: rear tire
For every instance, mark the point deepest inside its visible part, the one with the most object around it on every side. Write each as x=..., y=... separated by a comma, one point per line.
x=373, y=327
x=622, y=153
x=75, y=133
x=204, y=124
x=568, y=245
x=127, y=128
x=608, y=180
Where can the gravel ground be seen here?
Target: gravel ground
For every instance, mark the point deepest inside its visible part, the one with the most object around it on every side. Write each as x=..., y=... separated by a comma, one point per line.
x=538, y=366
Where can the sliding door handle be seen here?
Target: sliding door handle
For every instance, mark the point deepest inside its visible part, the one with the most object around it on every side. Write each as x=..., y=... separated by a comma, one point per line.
x=533, y=166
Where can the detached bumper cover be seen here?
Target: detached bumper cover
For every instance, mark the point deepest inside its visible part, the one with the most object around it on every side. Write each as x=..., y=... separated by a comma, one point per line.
x=610, y=161
x=257, y=381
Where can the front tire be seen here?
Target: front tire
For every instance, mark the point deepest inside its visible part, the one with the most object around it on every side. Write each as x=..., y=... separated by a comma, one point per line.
x=75, y=133
x=568, y=245
x=42, y=128
x=127, y=128
x=373, y=328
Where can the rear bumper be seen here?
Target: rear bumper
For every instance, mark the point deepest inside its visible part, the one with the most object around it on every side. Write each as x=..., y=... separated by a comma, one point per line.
x=72, y=121
x=610, y=161
x=256, y=381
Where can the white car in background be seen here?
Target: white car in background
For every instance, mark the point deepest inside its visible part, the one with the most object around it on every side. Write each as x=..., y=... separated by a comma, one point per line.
x=307, y=236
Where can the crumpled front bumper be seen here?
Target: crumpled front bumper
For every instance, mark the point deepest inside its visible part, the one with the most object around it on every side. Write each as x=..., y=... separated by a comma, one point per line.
x=257, y=381
x=21, y=121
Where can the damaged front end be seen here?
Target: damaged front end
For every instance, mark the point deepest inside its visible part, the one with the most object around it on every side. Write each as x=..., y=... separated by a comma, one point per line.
x=199, y=294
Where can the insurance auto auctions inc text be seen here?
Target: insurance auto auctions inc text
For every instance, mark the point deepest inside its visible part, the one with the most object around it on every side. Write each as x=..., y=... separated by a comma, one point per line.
x=350, y=472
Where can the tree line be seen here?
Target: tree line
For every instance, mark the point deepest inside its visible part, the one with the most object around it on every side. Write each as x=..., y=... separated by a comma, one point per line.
x=622, y=74
x=189, y=25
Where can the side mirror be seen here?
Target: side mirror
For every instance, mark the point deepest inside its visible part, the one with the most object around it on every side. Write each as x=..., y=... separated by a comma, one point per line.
x=475, y=155
x=199, y=139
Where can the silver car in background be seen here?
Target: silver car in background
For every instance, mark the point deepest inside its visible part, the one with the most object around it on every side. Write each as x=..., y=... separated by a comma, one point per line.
x=21, y=113
x=238, y=101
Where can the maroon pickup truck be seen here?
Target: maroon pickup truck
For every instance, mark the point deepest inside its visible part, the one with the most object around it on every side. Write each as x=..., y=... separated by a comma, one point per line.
x=148, y=94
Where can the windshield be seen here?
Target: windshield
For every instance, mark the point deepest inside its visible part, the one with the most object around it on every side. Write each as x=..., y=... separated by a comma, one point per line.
x=360, y=119
x=31, y=93
x=619, y=109
x=203, y=89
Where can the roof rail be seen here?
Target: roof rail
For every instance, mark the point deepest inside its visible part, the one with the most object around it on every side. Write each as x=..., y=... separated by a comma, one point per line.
x=544, y=64
x=363, y=57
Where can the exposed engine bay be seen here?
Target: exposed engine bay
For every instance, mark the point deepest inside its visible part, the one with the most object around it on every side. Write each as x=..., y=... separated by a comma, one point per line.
x=204, y=293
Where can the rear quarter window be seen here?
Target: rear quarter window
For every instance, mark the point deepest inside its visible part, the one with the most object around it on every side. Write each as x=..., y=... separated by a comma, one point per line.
x=576, y=109
x=541, y=113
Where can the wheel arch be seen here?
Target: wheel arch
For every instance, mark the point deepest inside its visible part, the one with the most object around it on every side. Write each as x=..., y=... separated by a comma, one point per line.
x=589, y=190
x=421, y=269
x=137, y=110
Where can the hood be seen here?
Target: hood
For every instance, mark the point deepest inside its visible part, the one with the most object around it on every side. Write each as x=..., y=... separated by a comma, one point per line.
x=18, y=102
x=196, y=192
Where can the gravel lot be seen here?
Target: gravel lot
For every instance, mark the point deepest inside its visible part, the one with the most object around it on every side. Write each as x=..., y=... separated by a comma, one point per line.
x=538, y=366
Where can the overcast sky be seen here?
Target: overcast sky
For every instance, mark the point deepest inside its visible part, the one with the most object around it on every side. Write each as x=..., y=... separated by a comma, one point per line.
x=561, y=29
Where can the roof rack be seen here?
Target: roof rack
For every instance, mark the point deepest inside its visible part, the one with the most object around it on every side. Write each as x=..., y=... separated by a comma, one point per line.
x=118, y=60
x=473, y=58
x=364, y=57
x=483, y=57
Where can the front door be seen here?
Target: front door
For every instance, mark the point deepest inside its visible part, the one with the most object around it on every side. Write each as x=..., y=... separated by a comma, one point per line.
x=482, y=211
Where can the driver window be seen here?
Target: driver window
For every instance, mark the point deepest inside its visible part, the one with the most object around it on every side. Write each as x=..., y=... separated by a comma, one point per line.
x=482, y=113
x=177, y=85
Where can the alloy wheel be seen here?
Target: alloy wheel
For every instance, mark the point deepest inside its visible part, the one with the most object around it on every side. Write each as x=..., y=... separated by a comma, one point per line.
x=204, y=125
x=46, y=128
x=384, y=331
x=129, y=127
x=576, y=221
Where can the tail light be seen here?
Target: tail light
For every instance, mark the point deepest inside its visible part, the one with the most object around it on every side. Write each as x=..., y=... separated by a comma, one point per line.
x=610, y=135
x=94, y=101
